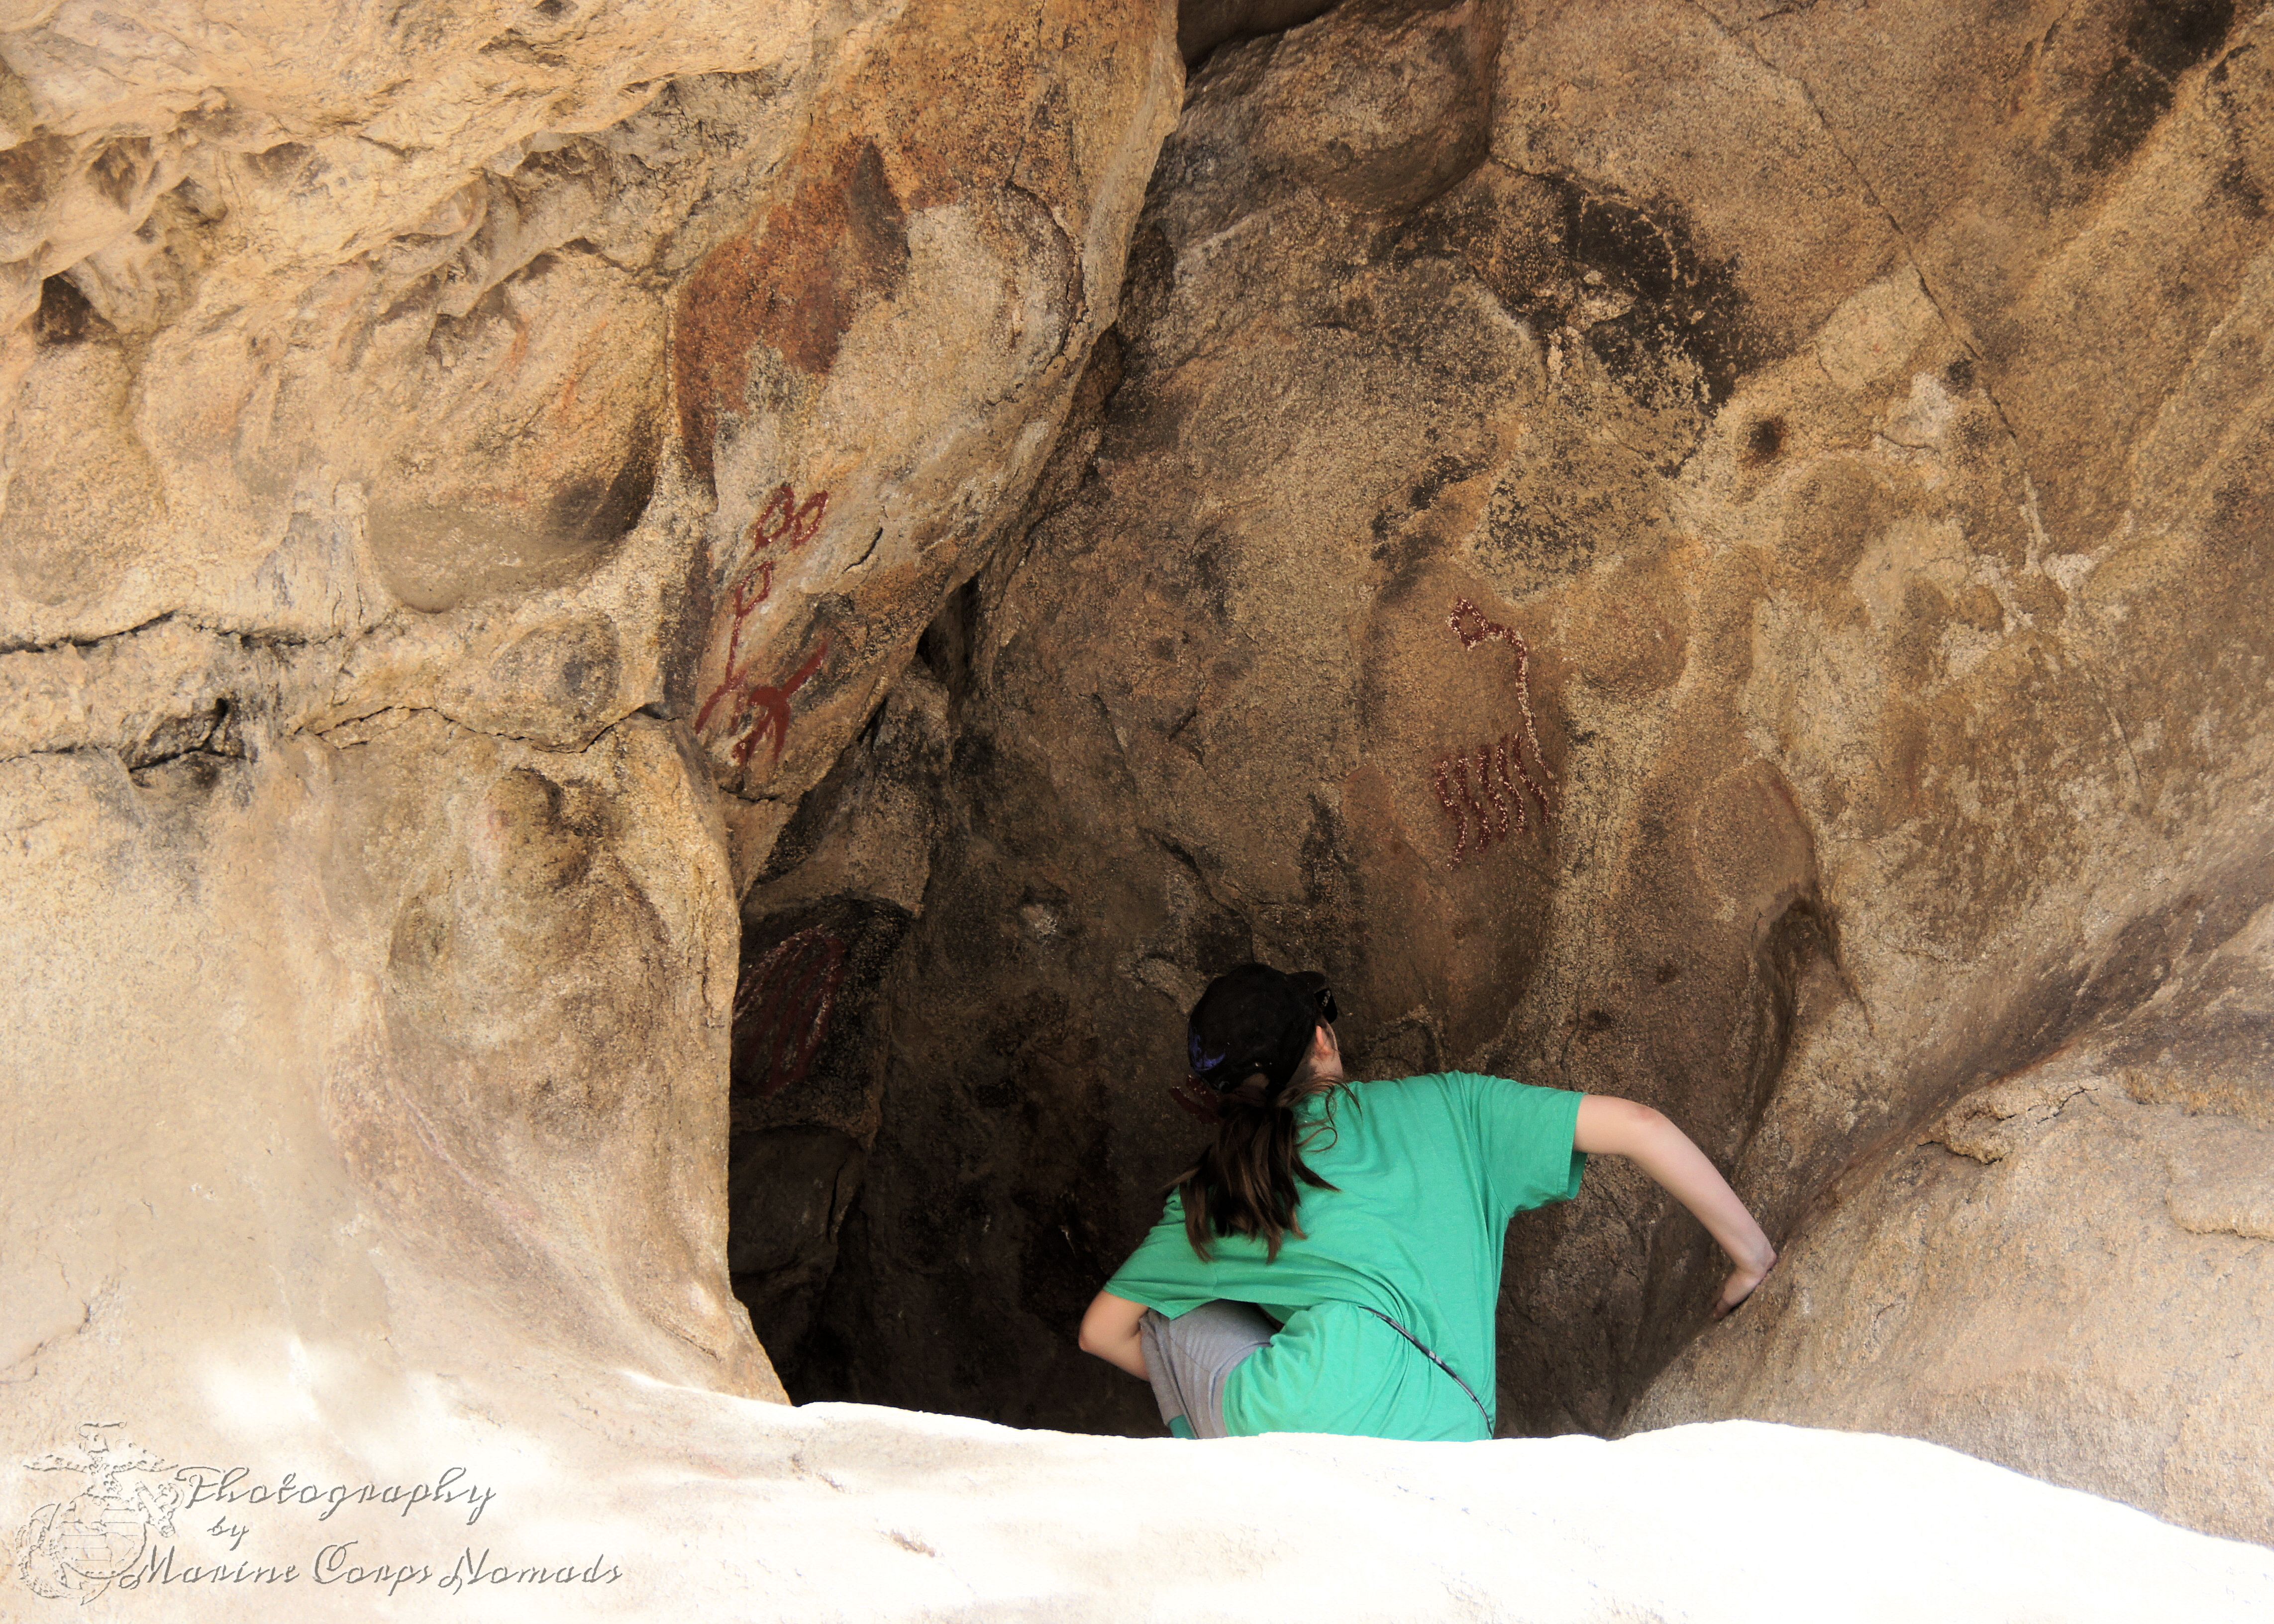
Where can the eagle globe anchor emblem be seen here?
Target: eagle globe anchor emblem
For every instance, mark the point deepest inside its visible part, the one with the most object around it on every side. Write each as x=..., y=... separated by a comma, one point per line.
x=75, y=1548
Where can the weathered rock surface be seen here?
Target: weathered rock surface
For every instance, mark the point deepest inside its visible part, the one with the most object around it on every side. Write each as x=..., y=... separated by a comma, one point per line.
x=296, y=286
x=1708, y=554
x=646, y=651
x=394, y=408
x=870, y=371
x=366, y=1049
x=2067, y=1273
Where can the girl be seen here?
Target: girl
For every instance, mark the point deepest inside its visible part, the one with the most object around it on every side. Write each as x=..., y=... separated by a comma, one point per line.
x=1332, y=1262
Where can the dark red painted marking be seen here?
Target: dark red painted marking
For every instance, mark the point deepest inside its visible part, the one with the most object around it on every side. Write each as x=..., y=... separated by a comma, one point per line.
x=783, y=519
x=793, y=281
x=1498, y=762
x=782, y=1008
x=772, y=704
x=760, y=577
x=785, y=516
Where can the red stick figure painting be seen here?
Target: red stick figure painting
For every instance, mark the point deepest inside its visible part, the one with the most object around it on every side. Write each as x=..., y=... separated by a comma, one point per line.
x=1484, y=788
x=768, y=706
x=761, y=710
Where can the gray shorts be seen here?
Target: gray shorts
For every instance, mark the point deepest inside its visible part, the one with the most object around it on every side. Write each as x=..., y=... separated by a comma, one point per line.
x=1190, y=1357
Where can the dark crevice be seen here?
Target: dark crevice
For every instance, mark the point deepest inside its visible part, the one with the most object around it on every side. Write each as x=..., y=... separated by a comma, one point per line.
x=947, y=646
x=29, y=646
x=65, y=316
x=1801, y=935
x=1204, y=24
x=212, y=732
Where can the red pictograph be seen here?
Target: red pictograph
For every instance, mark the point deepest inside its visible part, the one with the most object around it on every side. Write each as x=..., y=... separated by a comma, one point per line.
x=782, y=1008
x=769, y=705
x=764, y=706
x=1498, y=764
x=757, y=584
x=785, y=518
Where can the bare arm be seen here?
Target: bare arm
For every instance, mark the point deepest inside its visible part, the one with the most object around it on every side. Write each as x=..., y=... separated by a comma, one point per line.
x=1110, y=1331
x=1614, y=1127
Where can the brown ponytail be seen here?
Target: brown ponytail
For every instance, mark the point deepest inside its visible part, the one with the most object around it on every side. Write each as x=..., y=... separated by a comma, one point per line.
x=1249, y=1180
x=1251, y=1040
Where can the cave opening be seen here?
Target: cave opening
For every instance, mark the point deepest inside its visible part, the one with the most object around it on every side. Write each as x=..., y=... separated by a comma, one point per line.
x=1605, y=620
x=966, y=962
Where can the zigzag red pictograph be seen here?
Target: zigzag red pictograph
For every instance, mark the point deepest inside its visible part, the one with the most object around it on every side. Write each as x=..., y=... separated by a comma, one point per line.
x=1498, y=764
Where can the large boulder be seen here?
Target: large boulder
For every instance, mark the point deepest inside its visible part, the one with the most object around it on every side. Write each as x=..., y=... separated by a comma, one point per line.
x=2069, y=1271
x=385, y=402
x=870, y=368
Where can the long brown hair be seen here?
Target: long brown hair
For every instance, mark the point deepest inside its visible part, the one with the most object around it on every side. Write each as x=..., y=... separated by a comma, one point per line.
x=1250, y=1181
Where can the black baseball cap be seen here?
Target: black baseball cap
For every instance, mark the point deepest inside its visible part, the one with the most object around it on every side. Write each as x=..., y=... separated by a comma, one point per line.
x=1255, y=1018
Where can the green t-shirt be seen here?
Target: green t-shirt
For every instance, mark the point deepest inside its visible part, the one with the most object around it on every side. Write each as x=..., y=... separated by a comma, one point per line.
x=1428, y=1171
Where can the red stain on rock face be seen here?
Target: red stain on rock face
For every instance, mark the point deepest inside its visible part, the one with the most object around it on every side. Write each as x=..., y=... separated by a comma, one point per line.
x=1497, y=764
x=794, y=281
x=765, y=707
x=782, y=1008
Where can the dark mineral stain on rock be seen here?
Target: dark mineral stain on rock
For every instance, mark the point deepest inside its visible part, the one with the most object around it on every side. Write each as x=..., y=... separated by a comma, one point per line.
x=65, y=317
x=1555, y=250
x=794, y=281
x=1551, y=531
x=557, y=674
x=1685, y=303
x=589, y=513
x=2161, y=40
x=29, y=170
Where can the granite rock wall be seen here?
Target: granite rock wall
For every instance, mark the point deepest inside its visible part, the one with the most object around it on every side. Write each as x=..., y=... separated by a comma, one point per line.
x=646, y=651
x=1698, y=552
x=468, y=471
